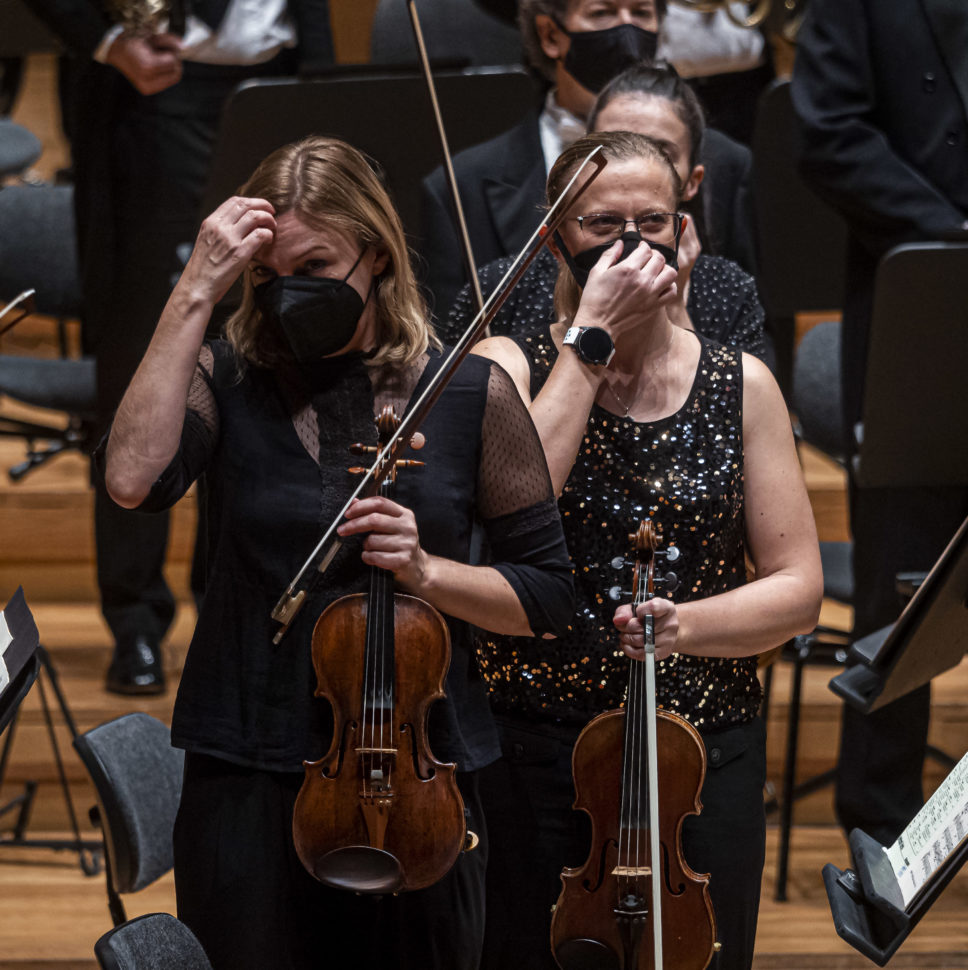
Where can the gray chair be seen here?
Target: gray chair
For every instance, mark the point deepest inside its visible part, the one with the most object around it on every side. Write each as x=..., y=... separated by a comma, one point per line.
x=157, y=941
x=137, y=775
x=817, y=402
x=38, y=251
x=21, y=34
x=816, y=399
x=19, y=148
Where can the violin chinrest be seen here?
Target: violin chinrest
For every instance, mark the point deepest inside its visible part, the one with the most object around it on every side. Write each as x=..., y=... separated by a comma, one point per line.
x=360, y=869
x=586, y=955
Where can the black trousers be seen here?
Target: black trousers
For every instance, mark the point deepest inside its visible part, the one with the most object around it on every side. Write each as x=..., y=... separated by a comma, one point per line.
x=534, y=833
x=243, y=891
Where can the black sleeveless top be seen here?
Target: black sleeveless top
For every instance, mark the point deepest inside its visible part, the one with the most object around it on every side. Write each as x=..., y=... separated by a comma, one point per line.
x=685, y=472
x=276, y=459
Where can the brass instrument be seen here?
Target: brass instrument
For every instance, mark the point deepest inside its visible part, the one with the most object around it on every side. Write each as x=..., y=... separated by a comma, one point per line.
x=145, y=17
x=786, y=20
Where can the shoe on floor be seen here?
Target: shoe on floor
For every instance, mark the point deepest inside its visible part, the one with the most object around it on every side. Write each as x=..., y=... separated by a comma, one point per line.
x=136, y=667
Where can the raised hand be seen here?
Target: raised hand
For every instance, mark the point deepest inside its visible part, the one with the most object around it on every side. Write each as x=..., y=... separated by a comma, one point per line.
x=228, y=239
x=621, y=295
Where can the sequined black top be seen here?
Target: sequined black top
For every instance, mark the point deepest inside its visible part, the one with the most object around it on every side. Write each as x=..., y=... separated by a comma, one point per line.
x=685, y=472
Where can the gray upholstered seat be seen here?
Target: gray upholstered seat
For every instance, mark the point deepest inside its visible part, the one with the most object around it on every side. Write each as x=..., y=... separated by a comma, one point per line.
x=138, y=776
x=38, y=251
x=38, y=247
x=157, y=941
x=19, y=148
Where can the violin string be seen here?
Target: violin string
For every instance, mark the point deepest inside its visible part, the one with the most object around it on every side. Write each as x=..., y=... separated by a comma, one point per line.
x=368, y=679
x=386, y=604
x=628, y=859
x=641, y=789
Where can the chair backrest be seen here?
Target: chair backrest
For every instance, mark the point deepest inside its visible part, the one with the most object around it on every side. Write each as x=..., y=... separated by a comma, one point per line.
x=453, y=31
x=801, y=242
x=915, y=425
x=138, y=777
x=38, y=248
x=817, y=397
x=387, y=115
x=157, y=941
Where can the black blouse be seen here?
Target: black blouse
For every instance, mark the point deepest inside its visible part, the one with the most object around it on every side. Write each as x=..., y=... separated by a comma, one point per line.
x=275, y=451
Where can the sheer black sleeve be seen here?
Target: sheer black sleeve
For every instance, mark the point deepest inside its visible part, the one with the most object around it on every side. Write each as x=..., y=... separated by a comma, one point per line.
x=520, y=515
x=199, y=436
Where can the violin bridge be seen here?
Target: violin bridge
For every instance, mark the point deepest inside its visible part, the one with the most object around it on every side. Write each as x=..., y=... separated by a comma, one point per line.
x=632, y=871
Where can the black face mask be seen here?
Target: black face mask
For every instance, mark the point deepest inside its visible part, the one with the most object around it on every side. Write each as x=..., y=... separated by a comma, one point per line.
x=318, y=316
x=581, y=263
x=596, y=56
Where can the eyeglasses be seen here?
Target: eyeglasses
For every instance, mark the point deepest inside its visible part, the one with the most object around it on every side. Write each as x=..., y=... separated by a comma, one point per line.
x=608, y=225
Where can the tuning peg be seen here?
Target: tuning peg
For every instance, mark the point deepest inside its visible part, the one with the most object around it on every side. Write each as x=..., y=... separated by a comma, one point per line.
x=616, y=593
x=417, y=441
x=619, y=562
x=361, y=449
x=671, y=553
x=669, y=582
x=409, y=463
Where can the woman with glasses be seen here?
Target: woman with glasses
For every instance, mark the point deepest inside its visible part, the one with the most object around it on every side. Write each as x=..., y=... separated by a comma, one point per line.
x=642, y=418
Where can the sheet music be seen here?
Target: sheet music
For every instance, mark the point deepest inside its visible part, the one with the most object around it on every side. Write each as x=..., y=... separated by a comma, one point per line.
x=932, y=835
x=6, y=638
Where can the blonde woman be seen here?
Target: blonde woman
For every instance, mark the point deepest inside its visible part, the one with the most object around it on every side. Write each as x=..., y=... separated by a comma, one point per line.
x=330, y=329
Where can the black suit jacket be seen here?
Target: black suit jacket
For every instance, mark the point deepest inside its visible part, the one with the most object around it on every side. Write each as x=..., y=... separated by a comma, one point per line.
x=881, y=93
x=502, y=188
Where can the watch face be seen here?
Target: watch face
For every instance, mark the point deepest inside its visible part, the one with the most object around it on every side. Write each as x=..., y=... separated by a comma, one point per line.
x=595, y=345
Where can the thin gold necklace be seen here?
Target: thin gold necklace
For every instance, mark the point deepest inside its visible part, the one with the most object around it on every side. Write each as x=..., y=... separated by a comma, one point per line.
x=614, y=393
x=621, y=403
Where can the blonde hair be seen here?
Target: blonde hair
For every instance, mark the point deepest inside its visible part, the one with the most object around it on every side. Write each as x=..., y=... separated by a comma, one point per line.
x=616, y=146
x=330, y=183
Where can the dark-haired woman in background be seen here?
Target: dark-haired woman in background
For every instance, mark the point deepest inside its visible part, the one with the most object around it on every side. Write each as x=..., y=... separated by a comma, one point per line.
x=640, y=417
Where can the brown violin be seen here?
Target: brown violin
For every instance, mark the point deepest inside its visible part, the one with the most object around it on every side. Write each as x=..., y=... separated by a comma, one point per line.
x=635, y=904
x=378, y=813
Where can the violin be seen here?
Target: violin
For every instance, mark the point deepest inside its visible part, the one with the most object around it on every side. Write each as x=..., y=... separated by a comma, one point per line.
x=378, y=813
x=635, y=904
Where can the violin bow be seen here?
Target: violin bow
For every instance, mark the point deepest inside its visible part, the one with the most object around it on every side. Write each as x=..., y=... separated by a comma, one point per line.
x=294, y=596
x=465, y=239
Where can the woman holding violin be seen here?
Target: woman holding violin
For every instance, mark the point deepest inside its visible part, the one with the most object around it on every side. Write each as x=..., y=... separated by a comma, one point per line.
x=331, y=330
x=643, y=419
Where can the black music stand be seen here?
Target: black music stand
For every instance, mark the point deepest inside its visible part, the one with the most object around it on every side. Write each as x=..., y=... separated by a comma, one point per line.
x=929, y=637
x=24, y=659
x=914, y=399
x=866, y=901
x=385, y=113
